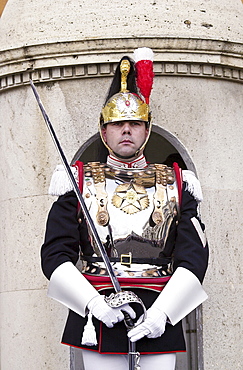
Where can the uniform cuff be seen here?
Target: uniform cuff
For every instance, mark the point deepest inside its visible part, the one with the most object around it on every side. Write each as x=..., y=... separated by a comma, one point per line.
x=181, y=295
x=69, y=287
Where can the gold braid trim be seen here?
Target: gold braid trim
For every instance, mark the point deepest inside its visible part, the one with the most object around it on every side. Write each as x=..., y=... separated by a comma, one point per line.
x=98, y=174
x=164, y=175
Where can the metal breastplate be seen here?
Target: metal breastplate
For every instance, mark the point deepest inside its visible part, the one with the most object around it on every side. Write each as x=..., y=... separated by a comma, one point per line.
x=132, y=207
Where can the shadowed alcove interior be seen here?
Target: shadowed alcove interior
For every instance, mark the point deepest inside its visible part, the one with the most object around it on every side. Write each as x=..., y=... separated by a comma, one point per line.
x=159, y=149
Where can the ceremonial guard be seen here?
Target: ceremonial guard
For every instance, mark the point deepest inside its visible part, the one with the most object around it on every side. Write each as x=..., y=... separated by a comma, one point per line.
x=147, y=217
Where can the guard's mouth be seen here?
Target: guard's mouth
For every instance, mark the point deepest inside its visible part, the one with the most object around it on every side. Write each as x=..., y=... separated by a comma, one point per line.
x=126, y=141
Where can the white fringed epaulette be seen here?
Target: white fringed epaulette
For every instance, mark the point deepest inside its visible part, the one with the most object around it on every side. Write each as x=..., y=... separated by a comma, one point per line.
x=60, y=183
x=192, y=185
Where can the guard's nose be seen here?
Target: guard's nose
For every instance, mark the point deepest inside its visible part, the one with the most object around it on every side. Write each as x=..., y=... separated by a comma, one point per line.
x=126, y=128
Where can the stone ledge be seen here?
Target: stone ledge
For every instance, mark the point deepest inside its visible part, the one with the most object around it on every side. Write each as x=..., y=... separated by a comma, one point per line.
x=100, y=70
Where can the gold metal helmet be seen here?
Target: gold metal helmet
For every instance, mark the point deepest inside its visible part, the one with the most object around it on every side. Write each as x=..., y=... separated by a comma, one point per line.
x=127, y=105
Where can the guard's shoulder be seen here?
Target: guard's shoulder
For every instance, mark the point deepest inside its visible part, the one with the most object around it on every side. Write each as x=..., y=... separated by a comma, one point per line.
x=192, y=184
x=60, y=183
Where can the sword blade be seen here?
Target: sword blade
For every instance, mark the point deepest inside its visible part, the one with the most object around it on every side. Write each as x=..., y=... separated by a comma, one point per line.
x=133, y=357
x=132, y=351
x=85, y=211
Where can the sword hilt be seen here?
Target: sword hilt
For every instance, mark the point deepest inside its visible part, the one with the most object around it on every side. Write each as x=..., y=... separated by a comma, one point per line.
x=123, y=297
x=128, y=320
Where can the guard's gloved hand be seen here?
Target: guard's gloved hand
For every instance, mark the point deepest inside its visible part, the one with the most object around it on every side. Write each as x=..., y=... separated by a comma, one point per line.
x=152, y=327
x=108, y=315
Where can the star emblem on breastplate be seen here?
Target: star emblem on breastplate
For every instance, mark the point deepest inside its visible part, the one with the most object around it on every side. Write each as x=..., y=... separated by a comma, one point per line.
x=130, y=198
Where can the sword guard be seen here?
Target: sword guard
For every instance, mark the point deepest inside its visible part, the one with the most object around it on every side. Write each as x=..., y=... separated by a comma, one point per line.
x=118, y=299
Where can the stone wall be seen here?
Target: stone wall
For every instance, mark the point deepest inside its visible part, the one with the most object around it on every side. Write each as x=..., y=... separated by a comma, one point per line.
x=70, y=53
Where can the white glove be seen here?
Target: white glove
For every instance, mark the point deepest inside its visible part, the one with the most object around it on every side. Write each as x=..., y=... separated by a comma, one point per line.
x=152, y=327
x=109, y=316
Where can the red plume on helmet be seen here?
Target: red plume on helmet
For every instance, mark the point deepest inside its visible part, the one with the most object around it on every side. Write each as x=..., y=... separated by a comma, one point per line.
x=143, y=58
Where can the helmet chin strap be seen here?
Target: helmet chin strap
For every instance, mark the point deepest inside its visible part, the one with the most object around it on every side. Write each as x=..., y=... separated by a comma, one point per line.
x=137, y=152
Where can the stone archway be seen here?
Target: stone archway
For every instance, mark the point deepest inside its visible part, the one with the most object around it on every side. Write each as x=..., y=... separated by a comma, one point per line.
x=172, y=150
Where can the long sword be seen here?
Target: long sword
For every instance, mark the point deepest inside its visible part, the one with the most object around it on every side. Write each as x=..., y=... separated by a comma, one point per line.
x=133, y=355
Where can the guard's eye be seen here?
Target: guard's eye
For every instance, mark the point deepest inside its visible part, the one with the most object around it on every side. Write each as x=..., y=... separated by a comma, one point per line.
x=136, y=123
x=116, y=123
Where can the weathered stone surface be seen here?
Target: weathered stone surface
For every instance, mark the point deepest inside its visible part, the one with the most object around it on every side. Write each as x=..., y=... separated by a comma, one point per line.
x=27, y=330
x=48, y=21
x=197, y=97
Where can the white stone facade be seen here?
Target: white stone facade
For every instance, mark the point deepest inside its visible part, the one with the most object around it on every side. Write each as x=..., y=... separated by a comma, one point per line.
x=70, y=52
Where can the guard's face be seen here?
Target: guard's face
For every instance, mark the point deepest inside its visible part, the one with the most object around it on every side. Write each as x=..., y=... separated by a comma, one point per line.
x=125, y=137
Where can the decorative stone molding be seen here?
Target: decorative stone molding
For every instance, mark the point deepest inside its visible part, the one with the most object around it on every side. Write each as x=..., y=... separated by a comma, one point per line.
x=101, y=70
x=98, y=58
